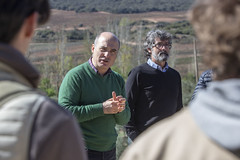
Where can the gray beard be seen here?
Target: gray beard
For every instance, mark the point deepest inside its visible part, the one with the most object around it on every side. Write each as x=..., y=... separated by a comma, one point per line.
x=162, y=56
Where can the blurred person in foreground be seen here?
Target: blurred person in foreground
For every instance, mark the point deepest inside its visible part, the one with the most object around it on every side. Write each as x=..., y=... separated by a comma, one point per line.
x=153, y=89
x=90, y=92
x=32, y=127
x=209, y=129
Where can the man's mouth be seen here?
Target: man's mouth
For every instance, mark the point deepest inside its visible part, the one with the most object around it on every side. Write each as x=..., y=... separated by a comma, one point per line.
x=163, y=52
x=104, y=60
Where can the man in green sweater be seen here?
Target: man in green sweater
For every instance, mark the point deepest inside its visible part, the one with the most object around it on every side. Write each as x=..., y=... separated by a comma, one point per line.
x=89, y=92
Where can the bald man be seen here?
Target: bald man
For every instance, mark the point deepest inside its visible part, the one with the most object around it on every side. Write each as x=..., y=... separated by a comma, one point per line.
x=95, y=94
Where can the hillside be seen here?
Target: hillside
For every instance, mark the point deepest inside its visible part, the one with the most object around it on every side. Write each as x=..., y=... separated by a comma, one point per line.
x=70, y=19
x=121, y=6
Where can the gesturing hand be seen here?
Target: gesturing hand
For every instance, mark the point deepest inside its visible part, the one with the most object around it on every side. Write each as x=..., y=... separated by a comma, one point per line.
x=121, y=101
x=114, y=105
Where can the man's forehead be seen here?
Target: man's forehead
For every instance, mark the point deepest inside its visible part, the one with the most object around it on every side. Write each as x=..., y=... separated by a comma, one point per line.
x=157, y=39
x=108, y=43
x=109, y=39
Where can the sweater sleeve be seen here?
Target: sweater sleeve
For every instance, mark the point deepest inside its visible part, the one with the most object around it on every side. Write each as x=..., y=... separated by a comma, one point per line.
x=132, y=91
x=70, y=98
x=123, y=117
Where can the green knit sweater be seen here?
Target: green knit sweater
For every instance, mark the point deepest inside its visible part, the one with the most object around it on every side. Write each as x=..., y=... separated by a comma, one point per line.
x=82, y=92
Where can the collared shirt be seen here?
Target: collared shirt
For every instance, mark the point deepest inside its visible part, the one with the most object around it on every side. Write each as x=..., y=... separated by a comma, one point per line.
x=95, y=69
x=156, y=66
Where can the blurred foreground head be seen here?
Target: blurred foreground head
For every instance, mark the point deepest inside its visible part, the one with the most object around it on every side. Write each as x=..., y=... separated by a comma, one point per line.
x=217, y=25
x=14, y=12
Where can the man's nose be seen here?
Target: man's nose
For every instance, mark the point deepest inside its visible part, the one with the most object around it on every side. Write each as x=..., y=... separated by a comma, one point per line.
x=107, y=53
x=164, y=47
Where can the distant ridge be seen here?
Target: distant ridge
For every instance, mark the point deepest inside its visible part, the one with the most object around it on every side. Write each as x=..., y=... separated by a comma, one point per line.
x=121, y=6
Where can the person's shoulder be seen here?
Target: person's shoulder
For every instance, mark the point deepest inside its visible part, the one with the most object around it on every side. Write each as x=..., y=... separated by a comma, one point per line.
x=36, y=100
x=172, y=70
x=172, y=124
x=52, y=108
x=206, y=73
x=78, y=70
x=148, y=143
x=206, y=76
x=117, y=75
x=179, y=134
x=141, y=68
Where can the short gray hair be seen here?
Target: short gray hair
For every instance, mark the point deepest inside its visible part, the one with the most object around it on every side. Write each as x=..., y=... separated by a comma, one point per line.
x=150, y=39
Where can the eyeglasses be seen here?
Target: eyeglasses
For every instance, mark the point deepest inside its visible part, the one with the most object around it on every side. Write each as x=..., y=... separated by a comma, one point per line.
x=161, y=45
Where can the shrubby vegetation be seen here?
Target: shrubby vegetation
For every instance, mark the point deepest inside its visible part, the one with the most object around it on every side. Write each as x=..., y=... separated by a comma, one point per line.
x=53, y=36
x=75, y=35
x=178, y=28
x=45, y=36
x=121, y=6
x=181, y=27
x=46, y=86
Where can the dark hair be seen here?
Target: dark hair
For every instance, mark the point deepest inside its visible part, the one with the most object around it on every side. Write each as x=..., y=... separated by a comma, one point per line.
x=14, y=12
x=150, y=39
x=217, y=24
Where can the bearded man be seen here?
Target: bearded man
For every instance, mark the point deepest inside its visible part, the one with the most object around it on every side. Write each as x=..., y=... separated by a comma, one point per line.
x=153, y=89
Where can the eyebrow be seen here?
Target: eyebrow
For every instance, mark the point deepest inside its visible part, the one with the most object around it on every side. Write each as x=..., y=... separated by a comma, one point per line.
x=112, y=50
x=162, y=43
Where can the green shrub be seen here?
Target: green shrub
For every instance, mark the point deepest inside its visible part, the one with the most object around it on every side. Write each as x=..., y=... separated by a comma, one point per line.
x=188, y=85
x=46, y=86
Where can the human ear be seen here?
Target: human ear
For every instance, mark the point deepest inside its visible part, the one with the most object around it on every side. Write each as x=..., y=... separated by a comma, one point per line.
x=92, y=48
x=149, y=50
x=30, y=24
